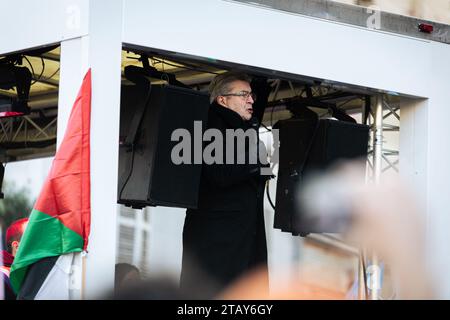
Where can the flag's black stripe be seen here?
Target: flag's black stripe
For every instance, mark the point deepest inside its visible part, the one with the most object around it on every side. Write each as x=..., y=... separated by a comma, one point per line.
x=35, y=277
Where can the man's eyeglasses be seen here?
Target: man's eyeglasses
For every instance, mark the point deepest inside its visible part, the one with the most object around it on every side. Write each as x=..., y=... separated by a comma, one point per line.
x=242, y=94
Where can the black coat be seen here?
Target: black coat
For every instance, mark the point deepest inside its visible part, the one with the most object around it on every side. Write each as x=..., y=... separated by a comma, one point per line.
x=225, y=236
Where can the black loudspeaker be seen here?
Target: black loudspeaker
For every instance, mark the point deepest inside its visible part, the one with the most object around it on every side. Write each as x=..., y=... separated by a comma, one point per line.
x=147, y=175
x=308, y=146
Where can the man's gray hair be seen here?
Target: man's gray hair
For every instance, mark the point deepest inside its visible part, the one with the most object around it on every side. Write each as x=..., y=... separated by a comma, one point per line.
x=221, y=83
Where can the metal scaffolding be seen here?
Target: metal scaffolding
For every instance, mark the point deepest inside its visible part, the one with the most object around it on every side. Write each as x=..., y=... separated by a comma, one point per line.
x=28, y=136
x=380, y=160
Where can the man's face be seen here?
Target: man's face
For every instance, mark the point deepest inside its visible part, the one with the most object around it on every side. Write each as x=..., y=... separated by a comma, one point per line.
x=239, y=99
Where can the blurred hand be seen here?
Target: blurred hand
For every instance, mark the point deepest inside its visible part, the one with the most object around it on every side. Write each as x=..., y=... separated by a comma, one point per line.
x=385, y=218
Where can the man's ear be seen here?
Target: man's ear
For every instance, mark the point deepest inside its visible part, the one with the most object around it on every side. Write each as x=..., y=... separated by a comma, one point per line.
x=15, y=244
x=221, y=100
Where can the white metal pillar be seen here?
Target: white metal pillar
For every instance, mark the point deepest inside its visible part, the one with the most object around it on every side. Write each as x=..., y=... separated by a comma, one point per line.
x=100, y=50
x=105, y=45
x=73, y=66
x=374, y=269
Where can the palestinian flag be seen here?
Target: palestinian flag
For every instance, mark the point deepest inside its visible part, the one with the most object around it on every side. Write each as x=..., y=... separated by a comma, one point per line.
x=59, y=223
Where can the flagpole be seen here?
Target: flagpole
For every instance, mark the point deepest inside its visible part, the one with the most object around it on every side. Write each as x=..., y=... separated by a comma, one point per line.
x=83, y=274
x=361, y=277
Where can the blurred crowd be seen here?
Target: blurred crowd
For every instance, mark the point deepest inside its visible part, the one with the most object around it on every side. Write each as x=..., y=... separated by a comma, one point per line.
x=385, y=218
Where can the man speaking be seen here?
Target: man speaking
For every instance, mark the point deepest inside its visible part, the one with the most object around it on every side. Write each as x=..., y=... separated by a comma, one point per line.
x=225, y=236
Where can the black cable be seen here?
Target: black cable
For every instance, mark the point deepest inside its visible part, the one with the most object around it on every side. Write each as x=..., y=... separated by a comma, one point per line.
x=32, y=70
x=267, y=182
x=31, y=66
x=268, y=130
x=52, y=75
x=42, y=71
x=129, y=174
x=268, y=195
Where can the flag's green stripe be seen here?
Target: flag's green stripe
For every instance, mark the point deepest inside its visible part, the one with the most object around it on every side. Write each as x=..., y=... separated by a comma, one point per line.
x=44, y=236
